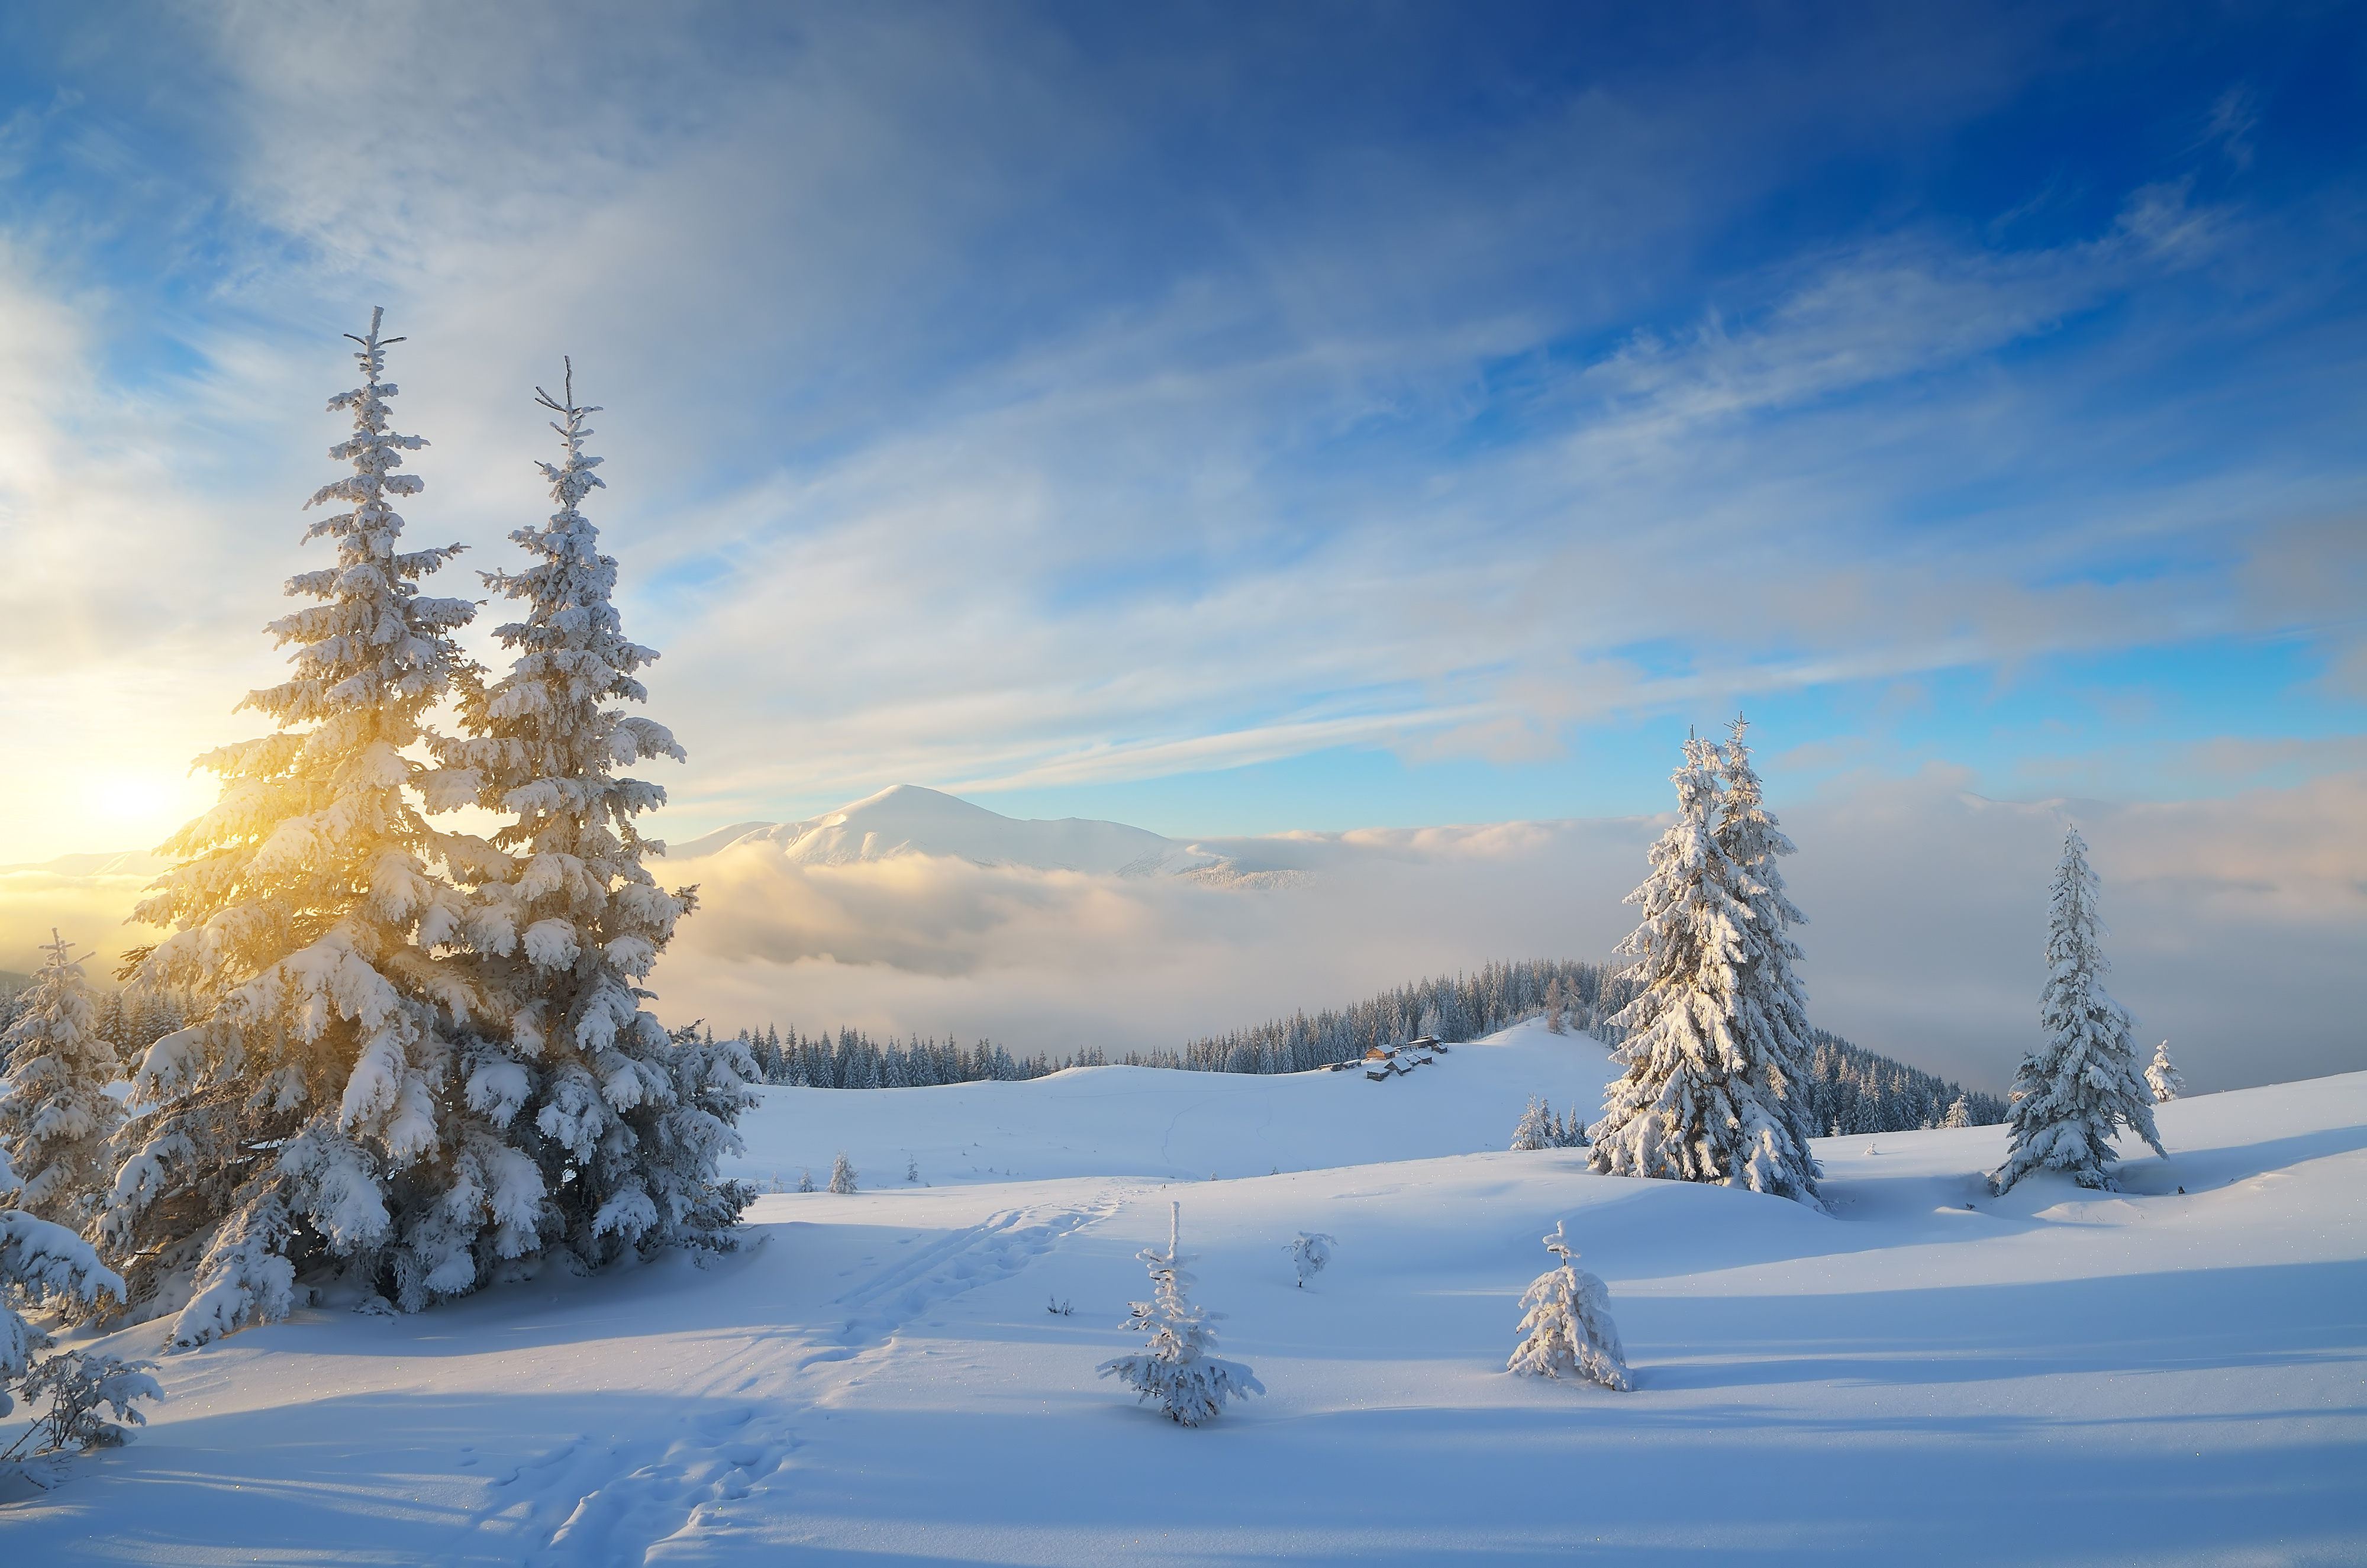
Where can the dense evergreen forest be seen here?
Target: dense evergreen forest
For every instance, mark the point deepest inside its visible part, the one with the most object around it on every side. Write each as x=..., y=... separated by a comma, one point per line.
x=1851, y=1090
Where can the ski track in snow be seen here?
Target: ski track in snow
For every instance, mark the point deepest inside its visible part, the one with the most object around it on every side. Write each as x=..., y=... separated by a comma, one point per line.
x=594, y=1504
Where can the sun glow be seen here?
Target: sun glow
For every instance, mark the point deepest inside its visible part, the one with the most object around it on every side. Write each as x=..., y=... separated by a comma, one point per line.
x=102, y=812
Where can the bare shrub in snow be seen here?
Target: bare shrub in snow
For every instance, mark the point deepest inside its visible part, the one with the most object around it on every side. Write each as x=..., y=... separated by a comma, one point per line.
x=1310, y=1254
x=1567, y=1332
x=1176, y=1371
x=2083, y=1084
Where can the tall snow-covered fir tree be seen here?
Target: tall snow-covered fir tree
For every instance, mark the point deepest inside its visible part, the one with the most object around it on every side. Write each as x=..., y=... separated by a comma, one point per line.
x=1770, y=1006
x=2163, y=1077
x=1702, y=1098
x=622, y=1123
x=309, y=926
x=2083, y=1083
x=56, y=1115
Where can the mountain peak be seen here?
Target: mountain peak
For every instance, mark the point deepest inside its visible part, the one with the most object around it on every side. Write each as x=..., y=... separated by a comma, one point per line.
x=914, y=819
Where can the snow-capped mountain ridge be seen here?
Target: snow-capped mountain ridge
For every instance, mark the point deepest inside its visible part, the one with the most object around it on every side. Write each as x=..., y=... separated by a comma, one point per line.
x=909, y=819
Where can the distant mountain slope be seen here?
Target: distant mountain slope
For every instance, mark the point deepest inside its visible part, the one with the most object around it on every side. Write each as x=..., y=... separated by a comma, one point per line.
x=908, y=819
x=120, y=863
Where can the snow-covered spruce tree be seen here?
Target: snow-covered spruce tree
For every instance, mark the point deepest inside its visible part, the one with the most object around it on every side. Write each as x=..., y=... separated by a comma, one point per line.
x=842, y=1174
x=2163, y=1077
x=1176, y=1369
x=1701, y=1099
x=1537, y=1128
x=293, y=1120
x=2083, y=1083
x=582, y=1118
x=1311, y=1255
x=56, y=1116
x=1567, y=1331
x=805, y=1181
x=1771, y=1007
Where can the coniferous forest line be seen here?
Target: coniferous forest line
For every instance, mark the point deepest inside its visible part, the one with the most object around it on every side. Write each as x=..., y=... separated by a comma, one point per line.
x=1851, y=1090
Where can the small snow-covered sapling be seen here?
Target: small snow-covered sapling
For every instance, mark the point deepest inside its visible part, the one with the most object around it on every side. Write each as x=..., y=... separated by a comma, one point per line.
x=842, y=1174
x=1536, y=1129
x=1309, y=1253
x=912, y=1168
x=1567, y=1332
x=805, y=1181
x=1176, y=1369
x=78, y=1383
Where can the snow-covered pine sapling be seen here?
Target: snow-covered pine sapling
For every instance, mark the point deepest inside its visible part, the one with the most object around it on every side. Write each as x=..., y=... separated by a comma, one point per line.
x=1310, y=1254
x=911, y=1169
x=1571, y=1134
x=2163, y=1077
x=1960, y=1114
x=2083, y=1083
x=1176, y=1370
x=79, y=1384
x=1567, y=1332
x=56, y=1116
x=842, y=1174
x=1537, y=1128
x=805, y=1181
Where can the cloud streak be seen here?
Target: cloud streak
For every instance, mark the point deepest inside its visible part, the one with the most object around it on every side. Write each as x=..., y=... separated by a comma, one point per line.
x=1025, y=403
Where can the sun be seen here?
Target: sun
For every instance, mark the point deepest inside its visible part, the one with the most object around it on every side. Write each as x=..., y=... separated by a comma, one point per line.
x=131, y=797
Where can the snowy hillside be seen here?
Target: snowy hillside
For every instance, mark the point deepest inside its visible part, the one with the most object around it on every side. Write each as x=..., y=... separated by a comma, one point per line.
x=908, y=819
x=1929, y=1376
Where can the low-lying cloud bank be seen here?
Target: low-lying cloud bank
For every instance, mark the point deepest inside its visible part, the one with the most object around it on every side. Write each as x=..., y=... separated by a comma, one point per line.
x=2237, y=926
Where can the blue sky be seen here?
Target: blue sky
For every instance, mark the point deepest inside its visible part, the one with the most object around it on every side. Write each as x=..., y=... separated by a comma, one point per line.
x=1231, y=419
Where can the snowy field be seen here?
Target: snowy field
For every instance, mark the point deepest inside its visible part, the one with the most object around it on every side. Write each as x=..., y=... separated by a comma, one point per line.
x=1929, y=1375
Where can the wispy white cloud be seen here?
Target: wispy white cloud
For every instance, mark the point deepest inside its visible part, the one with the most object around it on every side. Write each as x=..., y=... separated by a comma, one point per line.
x=980, y=416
